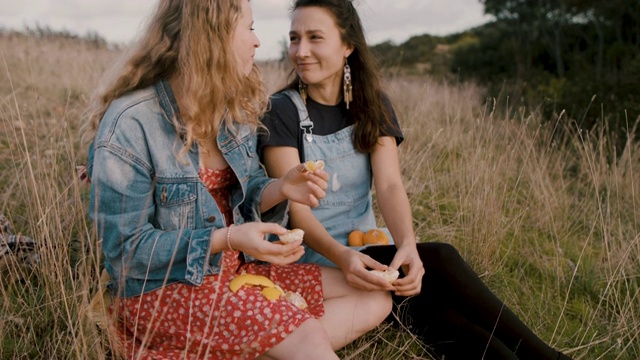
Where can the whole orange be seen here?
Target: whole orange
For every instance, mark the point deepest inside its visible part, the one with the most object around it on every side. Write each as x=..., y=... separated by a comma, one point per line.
x=375, y=237
x=355, y=238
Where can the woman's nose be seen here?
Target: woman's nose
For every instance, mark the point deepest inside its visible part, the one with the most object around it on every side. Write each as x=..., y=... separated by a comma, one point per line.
x=303, y=49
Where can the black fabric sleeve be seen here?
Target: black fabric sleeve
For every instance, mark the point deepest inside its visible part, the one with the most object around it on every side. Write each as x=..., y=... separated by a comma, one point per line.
x=281, y=124
x=392, y=129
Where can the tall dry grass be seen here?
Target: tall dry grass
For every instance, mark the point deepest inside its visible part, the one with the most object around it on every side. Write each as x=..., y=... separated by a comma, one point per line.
x=552, y=226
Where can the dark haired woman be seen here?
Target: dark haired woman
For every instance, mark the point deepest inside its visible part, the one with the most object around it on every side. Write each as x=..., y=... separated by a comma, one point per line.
x=335, y=110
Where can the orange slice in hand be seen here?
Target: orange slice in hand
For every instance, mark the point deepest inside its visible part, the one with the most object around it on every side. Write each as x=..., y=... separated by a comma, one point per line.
x=291, y=236
x=390, y=275
x=312, y=165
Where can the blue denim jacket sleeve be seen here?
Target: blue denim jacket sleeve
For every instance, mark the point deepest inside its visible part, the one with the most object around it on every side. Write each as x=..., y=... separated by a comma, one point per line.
x=135, y=249
x=145, y=244
x=151, y=210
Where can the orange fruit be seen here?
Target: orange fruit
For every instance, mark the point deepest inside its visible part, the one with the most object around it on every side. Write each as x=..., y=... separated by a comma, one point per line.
x=355, y=238
x=390, y=275
x=313, y=165
x=375, y=237
x=291, y=236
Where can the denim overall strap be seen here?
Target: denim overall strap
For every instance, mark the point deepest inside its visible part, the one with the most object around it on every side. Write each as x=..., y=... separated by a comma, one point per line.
x=348, y=204
x=306, y=125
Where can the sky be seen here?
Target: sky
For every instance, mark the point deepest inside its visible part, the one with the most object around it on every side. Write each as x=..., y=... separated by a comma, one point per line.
x=119, y=21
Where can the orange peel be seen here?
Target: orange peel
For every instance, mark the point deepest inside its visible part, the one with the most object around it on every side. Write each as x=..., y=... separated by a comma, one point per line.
x=272, y=293
x=296, y=299
x=270, y=290
x=245, y=279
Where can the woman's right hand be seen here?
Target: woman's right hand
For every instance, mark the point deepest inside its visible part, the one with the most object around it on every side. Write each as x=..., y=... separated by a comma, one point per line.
x=355, y=265
x=251, y=239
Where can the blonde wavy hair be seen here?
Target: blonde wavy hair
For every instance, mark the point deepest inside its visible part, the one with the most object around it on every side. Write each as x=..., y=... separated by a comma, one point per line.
x=189, y=40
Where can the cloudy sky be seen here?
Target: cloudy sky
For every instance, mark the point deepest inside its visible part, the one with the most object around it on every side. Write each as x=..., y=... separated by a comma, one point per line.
x=118, y=21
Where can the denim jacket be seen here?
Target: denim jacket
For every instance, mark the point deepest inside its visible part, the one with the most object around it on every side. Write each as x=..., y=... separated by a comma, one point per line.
x=151, y=210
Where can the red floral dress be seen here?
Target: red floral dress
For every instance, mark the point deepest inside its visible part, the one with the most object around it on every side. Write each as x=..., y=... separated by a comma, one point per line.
x=181, y=321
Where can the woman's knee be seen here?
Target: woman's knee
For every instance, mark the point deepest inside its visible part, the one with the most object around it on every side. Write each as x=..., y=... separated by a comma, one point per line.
x=309, y=341
x=438, y=253
x=379, y=306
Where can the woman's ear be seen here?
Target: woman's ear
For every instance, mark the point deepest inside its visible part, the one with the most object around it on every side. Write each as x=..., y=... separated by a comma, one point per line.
x=348, y=51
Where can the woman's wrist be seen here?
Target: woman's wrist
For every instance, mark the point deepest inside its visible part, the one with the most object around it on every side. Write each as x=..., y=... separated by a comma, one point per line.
x=277, y=188
x=228, y=238
x=221, y=239
x=337, y=252
x=272, y=195
x=406, y=243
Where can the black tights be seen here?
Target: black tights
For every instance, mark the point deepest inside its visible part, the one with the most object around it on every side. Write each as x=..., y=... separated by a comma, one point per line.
x=457, y=315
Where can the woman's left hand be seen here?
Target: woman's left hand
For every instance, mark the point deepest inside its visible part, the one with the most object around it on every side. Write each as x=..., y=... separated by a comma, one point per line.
x=408, y=258
x=303, y=186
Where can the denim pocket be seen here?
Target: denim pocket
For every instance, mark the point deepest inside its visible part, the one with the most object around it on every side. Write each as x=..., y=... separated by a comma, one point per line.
x=176, y=205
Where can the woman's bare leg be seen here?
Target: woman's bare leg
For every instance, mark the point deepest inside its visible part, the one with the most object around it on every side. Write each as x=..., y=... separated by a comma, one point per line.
x=309, y=341
x=349, y=312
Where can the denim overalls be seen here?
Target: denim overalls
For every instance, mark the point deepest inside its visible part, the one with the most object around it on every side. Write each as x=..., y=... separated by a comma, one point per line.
x=348, y=204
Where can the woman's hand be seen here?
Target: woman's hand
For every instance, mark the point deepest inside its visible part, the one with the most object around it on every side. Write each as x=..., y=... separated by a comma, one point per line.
x=250, y=238
x=304, y=186
x=408, y=258
x=355, y=265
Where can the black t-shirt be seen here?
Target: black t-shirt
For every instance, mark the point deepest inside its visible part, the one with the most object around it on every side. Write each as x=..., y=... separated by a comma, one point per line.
x=283, y=123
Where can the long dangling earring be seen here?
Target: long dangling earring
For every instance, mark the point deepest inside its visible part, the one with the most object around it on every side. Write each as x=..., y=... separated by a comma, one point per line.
x=346, y=87
x=302, y=89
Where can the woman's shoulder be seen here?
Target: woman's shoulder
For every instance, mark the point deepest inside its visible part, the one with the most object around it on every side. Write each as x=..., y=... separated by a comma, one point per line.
x=281, y=110
x=281, y=101
x=134, y=101
x=130, y=113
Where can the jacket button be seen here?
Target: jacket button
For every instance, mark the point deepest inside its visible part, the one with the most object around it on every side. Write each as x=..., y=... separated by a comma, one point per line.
x=211, y=218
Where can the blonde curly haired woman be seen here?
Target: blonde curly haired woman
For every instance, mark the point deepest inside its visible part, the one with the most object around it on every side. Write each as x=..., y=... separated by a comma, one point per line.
x=183, y=207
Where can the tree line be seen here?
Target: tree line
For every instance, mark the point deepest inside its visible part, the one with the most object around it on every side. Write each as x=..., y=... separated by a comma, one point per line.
x=579, y=59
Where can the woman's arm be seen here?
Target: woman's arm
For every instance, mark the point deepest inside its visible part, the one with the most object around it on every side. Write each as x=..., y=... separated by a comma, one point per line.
x=297, y=185
x=390, y=192
x=396, y=212
x=278, y=159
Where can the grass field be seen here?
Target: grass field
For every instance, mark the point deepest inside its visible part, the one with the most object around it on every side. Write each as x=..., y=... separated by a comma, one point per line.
x=553, y=227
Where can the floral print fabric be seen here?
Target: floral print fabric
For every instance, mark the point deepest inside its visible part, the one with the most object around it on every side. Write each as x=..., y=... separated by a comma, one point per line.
x=180, y=321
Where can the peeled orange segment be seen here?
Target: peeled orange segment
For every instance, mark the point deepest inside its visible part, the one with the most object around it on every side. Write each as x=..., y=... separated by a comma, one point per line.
x=296, y=299
x=273, y=293
x=291, y=236
x=375, y=237
x=251, y=280
x=390, y=275
x=313, y=165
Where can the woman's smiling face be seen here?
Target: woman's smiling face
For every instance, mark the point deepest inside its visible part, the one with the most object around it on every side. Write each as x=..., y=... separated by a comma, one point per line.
x=317, y=51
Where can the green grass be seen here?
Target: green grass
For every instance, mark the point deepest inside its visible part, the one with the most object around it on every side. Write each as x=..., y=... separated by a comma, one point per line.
x=552, y=227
